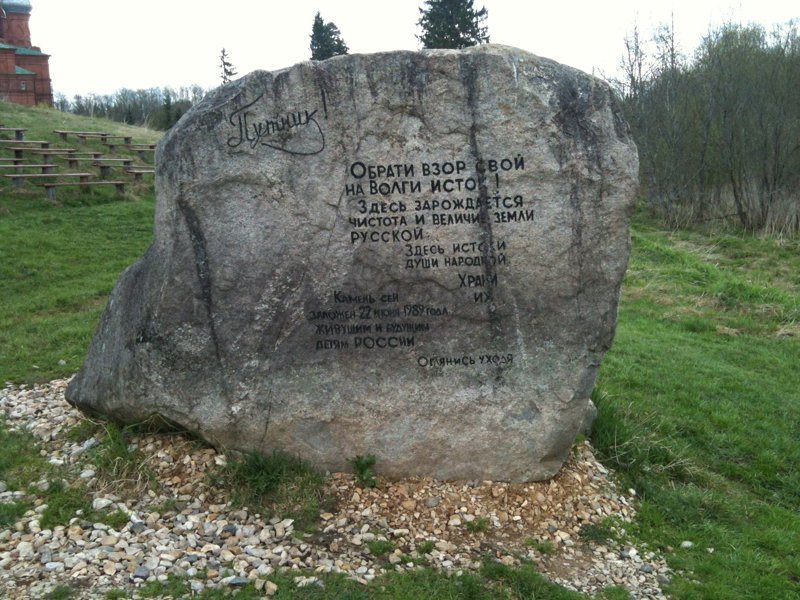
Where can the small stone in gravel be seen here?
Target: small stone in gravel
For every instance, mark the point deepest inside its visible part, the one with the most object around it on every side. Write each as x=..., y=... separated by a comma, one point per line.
x=25, y=550
x=227, y=556
x=101, y=503
x=138, y=527
x=270, y=589
x=304, y=581
x=400, y=532
x=433, y=502
x=141, y=573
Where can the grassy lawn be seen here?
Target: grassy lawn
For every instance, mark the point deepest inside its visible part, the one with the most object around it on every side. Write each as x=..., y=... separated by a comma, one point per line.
x=59, y=262
x=57, y=268
x=698, y=398
x=700, y=408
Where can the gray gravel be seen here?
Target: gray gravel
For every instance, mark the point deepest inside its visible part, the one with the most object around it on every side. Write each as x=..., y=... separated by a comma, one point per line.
x=184, y=528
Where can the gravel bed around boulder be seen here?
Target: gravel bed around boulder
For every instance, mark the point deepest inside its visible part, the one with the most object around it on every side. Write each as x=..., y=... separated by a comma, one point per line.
x=181, y=525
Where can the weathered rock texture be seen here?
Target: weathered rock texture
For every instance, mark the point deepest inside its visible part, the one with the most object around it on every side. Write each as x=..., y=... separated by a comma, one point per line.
x=412, y=255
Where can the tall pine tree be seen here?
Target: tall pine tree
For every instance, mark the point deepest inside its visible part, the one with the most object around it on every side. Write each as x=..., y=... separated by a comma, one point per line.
x=326, y=40
x=452, y=24
x=226, y=69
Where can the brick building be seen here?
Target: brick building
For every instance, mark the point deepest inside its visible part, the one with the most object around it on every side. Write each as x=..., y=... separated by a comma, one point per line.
x=24, y=68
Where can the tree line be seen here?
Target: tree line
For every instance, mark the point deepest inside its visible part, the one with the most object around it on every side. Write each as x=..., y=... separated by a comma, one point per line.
x=718, y=133
x=157, y=108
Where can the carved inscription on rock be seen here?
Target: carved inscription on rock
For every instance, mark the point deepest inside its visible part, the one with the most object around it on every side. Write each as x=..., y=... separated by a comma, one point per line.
x=399, y=205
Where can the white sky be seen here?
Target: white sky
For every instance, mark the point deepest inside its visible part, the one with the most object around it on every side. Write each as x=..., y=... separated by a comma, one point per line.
x=100, y=46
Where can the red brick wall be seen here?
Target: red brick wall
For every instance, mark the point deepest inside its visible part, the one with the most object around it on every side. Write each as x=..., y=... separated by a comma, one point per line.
x=7, y=61
x=40, y=66
x=11, y=89
x=18, y=31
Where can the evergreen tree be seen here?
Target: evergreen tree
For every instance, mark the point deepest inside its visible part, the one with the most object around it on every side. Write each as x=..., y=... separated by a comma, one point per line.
x=326, y=40
x=167, y=102
x=452, y=24
x=226, y=68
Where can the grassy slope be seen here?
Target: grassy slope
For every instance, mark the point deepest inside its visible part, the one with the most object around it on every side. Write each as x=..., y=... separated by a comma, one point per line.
x=699, y=401
x=700, y=407
x=59, y=263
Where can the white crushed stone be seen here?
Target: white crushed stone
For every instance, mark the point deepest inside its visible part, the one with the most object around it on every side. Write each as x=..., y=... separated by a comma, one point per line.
x=201, y=533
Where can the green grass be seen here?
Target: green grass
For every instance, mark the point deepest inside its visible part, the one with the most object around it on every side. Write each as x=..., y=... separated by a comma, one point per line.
x=525, y=582
x=601, y=532
x=176, y=587
x=20, y=461
x=116, y=519
x=495, y=582
x=700, y=408
x=58, y=263
x=63, y=503
x=277, y=484
x=10, y=512
x=23, y=468
x=118, y=464
x=542, y=547
x=380, y=547
x=363, y=469
x=61, y=592
x=478, y=525
x=57, y=268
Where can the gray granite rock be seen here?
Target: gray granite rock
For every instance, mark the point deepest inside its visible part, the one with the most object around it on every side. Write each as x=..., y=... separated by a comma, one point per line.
x=416, y=255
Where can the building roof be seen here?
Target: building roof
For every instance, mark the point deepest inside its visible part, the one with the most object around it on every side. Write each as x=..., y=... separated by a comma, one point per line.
x=22, y=50
x=21, y=71
x=16, y=6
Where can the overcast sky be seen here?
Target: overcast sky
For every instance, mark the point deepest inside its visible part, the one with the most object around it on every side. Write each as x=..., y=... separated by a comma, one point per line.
x=100, y=46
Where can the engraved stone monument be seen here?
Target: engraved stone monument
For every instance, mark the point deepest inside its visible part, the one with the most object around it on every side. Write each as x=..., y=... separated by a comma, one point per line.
x=416, y=255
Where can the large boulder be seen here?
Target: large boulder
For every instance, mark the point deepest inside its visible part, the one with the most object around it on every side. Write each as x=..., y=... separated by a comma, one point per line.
x=416, y=255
